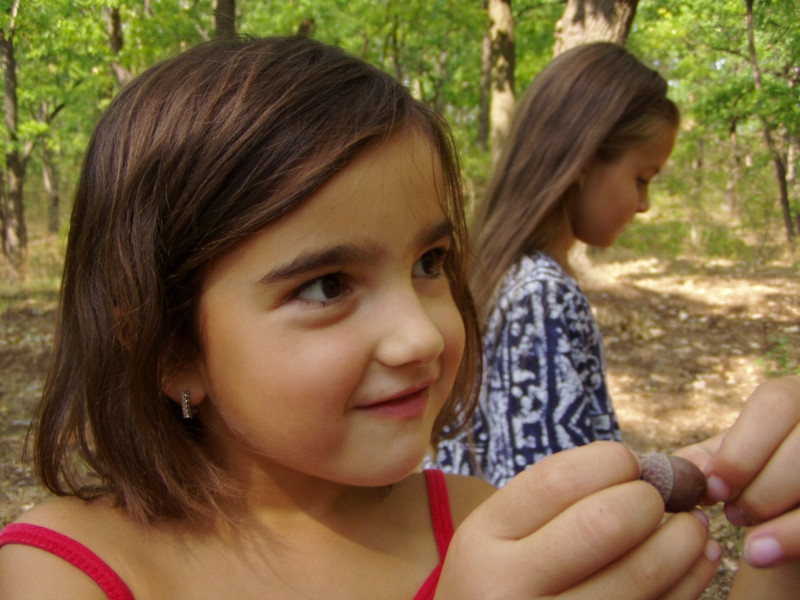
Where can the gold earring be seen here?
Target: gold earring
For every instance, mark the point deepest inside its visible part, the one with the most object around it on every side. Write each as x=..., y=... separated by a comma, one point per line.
x=186, y=404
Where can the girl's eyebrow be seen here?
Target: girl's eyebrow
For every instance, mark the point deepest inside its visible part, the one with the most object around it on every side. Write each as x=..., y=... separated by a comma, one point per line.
x=441, y=230
x=317, y=260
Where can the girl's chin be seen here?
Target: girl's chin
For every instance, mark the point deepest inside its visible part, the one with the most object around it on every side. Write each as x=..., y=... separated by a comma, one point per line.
x=396, y=473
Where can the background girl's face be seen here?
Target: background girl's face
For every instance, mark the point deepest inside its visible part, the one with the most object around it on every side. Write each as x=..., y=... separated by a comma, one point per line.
x=331, y=338
x=613, y=192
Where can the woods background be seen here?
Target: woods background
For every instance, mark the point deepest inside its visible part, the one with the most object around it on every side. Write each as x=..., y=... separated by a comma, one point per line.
x=730, y=189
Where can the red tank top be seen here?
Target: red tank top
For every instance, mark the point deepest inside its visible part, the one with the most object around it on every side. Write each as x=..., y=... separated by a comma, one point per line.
x=115, y=589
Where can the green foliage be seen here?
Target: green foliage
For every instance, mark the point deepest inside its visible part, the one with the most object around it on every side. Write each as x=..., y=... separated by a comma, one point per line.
x=784, y=356
x=720, y=241
x=168, y=28
x=718, y=194
x=534, y=35
x=663, y=239
x=728, y=181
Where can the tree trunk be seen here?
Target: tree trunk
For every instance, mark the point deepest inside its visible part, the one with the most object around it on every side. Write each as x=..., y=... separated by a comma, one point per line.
x=115, y=43
x=486, y=92
x=7, y=234
x=594, y=20
x=306, y=28
x=792, y=157
x=442, y=75
x=225, y=18
x=393, y=43
x=501, y=105
x=777, y=159
x=695, y=209
x=50, y=182
x=15, y=235
x=735, y=176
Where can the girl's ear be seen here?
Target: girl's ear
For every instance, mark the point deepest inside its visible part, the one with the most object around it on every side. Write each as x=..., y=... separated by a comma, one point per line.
x=185, y=386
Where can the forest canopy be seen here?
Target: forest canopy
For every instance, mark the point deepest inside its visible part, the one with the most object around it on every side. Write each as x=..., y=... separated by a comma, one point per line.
x=730, y=189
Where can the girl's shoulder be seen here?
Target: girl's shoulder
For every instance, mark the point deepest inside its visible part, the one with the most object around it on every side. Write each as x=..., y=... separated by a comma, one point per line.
x=466, y=494
x=540, y=266
x=534, y=283
x=47, y=540
x=95, y=521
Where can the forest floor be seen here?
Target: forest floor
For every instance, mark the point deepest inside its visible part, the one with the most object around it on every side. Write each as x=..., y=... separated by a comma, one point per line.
x=686, y=342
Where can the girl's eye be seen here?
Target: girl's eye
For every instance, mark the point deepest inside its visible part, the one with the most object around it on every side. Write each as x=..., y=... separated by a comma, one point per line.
x=431, y=264
x=323, y=290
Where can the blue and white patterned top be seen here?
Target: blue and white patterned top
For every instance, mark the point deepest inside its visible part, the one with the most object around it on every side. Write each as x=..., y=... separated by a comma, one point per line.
x=544, y=386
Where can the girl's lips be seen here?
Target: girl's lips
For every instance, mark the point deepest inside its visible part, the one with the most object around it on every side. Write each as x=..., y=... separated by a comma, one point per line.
x=404, y=406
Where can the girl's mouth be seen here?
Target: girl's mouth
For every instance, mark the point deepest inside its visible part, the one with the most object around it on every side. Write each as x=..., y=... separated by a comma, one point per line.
x=406, y=405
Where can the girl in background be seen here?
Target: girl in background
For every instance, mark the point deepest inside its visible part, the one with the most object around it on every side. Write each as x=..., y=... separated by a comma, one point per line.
x=588, y=136
x=264, y=324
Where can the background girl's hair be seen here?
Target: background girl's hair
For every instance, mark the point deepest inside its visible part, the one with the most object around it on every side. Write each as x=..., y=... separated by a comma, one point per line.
x=595, y=100
x=196, y=154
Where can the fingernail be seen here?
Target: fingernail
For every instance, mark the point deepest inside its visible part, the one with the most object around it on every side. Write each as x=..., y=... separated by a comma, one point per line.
x=701, y=516
x=713, y=551
x=763, y=551
x=735, y=515
x=718, y=489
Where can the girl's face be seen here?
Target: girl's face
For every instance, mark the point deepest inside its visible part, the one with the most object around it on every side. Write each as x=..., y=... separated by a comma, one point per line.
x=613, y=192
x=331, y=339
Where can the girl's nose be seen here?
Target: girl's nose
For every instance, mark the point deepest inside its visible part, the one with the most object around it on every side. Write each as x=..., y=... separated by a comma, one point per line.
x=408, y=334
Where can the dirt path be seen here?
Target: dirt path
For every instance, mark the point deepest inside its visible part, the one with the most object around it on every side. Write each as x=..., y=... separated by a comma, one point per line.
x=686, y=343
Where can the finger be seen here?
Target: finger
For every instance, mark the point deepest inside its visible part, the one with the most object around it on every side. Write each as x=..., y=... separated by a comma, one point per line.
x=700, y=453
x=775, y=490
x=589, y=535
x=698, y=578
x=774, y=542
x=671, y=563
x=768, y=417
x=551, y=485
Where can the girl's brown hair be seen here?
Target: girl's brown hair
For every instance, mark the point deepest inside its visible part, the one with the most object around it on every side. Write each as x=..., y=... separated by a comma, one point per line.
x=595, y=100
x=193, y=156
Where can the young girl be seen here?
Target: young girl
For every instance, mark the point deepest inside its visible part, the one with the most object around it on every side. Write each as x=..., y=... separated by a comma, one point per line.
x=264, y=324
x=591, y=131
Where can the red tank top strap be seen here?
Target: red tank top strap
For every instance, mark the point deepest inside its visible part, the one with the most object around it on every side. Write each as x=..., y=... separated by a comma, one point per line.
x=439, y=502
x=71, y=551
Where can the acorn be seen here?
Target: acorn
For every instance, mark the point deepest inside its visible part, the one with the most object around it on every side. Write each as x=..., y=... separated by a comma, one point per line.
x=681, y=484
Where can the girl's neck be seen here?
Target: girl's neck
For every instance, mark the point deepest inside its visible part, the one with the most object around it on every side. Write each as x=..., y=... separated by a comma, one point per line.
x=558, y=250
x=284, y=499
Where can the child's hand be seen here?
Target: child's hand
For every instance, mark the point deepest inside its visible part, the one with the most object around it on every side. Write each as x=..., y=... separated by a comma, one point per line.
x=753, y=468
x=581, y=524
